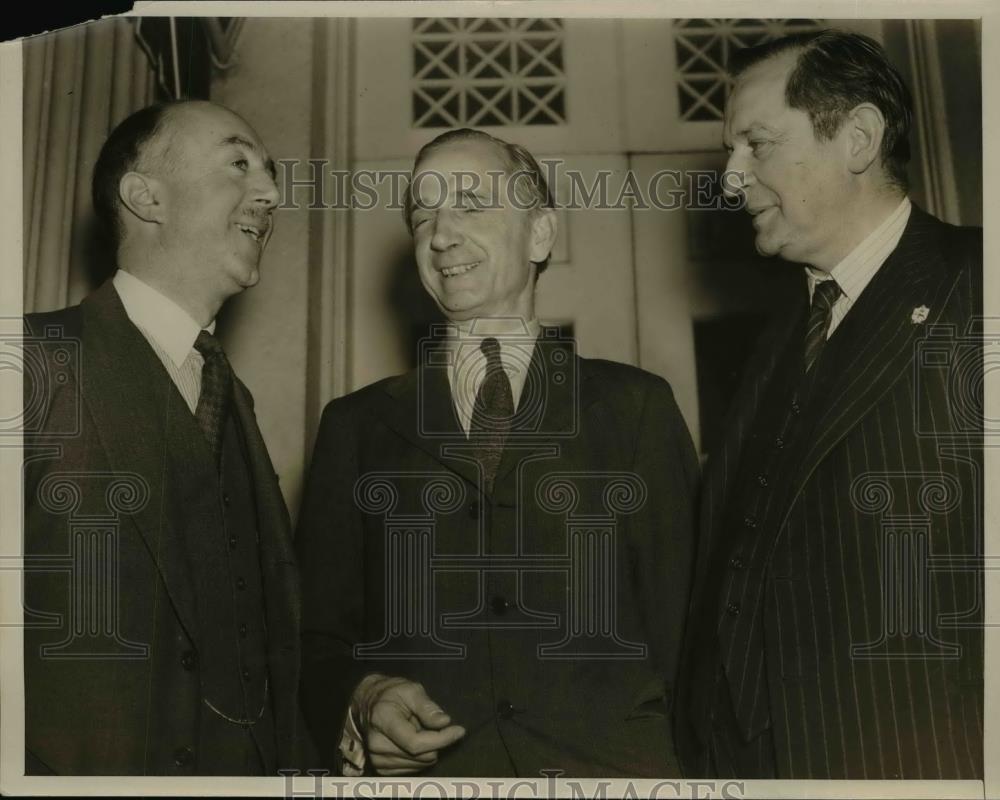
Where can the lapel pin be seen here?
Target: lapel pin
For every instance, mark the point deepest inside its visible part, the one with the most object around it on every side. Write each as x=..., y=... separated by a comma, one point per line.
x=919, y=314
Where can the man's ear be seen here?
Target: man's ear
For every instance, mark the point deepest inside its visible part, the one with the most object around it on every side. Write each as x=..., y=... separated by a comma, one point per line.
x=141, y=194
x=544, y=228
x=865, y=129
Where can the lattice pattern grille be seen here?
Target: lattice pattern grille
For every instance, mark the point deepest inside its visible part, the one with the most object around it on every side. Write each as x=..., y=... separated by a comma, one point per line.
x=703, y=47
x=488, y=72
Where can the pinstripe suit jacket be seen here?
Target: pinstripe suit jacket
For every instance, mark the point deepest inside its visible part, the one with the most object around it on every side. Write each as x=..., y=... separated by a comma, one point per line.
x=862, y=578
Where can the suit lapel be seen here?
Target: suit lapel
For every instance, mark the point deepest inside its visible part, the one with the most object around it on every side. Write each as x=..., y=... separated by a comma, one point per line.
x=419, y=407
x=272, y=518
x=135, y=407
x=722, y=467
x=873, y=347
x=553, y=395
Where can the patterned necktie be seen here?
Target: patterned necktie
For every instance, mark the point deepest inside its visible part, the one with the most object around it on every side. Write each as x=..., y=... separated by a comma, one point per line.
x=216, y=391
x=492, y=412
x=825, y=294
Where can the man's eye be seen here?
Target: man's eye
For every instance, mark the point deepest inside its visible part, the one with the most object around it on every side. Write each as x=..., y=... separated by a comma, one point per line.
x=758, y=146
x=241, y=163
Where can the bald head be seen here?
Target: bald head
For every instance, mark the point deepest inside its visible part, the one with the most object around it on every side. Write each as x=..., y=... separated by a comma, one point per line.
x=141, y=142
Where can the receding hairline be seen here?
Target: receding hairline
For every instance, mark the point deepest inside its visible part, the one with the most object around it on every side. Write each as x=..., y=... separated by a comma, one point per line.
x=159, y=148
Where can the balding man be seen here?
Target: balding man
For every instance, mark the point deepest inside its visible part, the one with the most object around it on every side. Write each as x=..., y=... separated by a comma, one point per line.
x=161, y=590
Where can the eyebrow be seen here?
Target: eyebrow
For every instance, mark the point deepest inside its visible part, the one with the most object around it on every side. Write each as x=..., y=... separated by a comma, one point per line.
x=253, y=148
x=758, y=126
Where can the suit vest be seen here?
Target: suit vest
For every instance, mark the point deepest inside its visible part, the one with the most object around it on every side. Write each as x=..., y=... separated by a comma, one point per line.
x=236, y=735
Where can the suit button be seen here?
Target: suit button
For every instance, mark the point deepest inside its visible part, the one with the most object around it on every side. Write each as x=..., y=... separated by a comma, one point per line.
x=243, y=631
x=232, y=542
x=733, y=609
x=779, y=442
x=189, y=660
x=750, y=521
x=500, y=604
x=246, y=674
x=796, y=408
x=473, y=510
x=762, y=480
x=225, y=498
x=183, y=756
x=241, y=583
x=505, y=709
x=736, y=562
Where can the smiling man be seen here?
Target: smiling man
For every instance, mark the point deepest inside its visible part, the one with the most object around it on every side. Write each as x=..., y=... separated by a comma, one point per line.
x=837, y=611
x=516, y=603
x=179, y=655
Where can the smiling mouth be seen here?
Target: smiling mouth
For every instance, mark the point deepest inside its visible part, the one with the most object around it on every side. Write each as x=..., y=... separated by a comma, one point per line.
x=459, y=269
x=255, y=233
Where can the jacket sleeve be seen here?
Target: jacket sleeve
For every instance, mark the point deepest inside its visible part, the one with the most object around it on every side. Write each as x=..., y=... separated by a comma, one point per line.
x=664, y=531
x=330, y=545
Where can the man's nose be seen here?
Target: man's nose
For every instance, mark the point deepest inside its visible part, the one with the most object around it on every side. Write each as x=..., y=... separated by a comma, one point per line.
x=265, y=190
x=736, y=177
x=447, y=232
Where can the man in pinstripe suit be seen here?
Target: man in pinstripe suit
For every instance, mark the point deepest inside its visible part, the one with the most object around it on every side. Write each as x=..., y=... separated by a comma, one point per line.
x=837, y=616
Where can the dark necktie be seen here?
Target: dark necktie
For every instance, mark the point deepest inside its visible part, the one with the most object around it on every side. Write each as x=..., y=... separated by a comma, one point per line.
x=825, y=294
x=216, y=391
x=492, y=412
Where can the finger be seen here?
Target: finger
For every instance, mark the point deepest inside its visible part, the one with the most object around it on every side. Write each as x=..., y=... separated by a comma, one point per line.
x=415, y=742
x=392, y=773
x=382, y=763
x=382, y=745
x=430, y=714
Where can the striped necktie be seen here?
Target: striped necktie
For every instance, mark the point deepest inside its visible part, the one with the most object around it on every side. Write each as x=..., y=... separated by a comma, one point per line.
x=216, y=391
x=491, y=413
x=825, y=294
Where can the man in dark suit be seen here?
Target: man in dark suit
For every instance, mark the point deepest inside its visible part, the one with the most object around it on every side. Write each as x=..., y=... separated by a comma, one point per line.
x=837, y=610
x=496, y=546
x=161, y=592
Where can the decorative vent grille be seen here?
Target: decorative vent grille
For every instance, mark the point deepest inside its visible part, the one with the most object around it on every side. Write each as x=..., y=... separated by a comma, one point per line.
x=703, y=47
x=488, y=72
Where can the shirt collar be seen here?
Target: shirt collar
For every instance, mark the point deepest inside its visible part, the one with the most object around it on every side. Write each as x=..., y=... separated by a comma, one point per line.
x=497, y=327
x=165, y=322
x=857, y=268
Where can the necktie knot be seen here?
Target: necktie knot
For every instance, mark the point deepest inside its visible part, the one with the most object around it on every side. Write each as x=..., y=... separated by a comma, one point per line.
x=208, y=345
x=491, y=349
x=825, y=294
x=216, y=391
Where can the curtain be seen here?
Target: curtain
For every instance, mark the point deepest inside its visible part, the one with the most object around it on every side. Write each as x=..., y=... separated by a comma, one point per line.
x=78, y=84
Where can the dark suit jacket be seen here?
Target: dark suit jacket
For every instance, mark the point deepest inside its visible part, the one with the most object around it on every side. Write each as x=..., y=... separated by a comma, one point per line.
x=112, y=451
x=864, y=572
x=601, y=449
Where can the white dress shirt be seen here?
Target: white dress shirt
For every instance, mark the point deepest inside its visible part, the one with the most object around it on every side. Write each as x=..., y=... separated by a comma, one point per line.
x=170, y=331
x=856, y=270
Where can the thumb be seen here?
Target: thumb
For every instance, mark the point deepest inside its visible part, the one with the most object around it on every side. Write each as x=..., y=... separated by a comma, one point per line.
x=430, y=714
